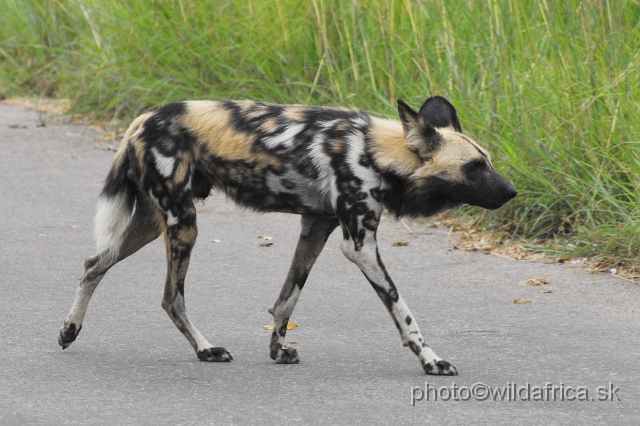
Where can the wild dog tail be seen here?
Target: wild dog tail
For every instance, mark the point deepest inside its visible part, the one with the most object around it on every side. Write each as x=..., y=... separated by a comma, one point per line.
x=117, y=200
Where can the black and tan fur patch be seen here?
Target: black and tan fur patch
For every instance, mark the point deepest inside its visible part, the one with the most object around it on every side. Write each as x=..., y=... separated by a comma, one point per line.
x=335, y=167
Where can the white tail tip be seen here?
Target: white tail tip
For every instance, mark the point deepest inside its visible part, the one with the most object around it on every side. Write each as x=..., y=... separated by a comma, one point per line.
x=112, y=217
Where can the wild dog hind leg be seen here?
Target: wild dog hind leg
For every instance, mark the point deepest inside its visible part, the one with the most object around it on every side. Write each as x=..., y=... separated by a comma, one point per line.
x=179, y=214
x=313, y=236
x=360, y=246
x=141, y=230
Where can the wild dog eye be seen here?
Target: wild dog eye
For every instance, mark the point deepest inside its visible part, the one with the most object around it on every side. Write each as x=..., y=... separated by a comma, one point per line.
x=478, y=163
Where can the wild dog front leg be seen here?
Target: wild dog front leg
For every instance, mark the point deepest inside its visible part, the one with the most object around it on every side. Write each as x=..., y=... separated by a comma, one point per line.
x=363, y=251
x=313, y=236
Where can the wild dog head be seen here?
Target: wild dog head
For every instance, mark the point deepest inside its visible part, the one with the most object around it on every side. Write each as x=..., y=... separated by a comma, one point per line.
x=453, y=169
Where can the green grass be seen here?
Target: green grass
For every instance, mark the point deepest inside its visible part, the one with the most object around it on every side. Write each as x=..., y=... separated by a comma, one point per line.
x=550, y=87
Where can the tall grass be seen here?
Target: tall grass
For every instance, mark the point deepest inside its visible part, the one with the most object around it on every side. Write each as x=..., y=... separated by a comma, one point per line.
x=552, y=88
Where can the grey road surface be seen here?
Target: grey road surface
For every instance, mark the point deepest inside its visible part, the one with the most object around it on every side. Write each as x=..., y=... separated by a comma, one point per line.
x=131, y=366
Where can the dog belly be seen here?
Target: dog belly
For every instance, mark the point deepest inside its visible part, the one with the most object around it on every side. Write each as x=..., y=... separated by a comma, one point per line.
x=267, y=201
x=266, y=188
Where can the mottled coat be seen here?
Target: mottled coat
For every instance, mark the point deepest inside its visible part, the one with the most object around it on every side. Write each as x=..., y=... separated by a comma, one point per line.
x=334, y=167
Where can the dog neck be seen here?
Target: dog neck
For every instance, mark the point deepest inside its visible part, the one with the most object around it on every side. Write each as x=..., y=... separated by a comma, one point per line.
x=389, y=150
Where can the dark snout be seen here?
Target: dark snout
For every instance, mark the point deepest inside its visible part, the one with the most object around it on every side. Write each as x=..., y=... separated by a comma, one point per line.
x=500, y=192
x=511, y=192
x=483, y=186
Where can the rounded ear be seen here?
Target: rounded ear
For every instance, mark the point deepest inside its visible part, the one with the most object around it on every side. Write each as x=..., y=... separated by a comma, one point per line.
x=407, y=113
x=420, y=136
x=439, y=112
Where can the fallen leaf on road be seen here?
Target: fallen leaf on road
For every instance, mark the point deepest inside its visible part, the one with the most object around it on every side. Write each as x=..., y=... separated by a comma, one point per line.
x=265, y=244
x=536, y=281
x=523, y=301
x=215, y=241
x=400, y=243
x=290, y=326
x=266, y=237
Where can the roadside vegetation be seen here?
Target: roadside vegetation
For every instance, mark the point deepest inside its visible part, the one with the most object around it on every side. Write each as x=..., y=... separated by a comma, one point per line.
x=552, y=88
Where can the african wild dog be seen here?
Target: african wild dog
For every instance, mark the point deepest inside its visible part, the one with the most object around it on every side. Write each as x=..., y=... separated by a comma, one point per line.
x=334, y=167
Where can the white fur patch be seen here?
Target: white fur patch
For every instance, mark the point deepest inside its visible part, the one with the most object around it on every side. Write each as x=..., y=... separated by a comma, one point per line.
x=112, y=218
x=290, y=303
x=359, y=122
x=285, y=138
x=322, y=162
x=164, y=164
x=187, y=187
x=370, y=178
x=201, y=342
x=171, y=219
x=329, y=124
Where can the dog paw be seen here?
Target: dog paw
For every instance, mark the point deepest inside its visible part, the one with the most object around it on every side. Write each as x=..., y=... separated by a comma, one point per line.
x=440, y=368
x=286, y=356
x=68, y=334
x=214, y=355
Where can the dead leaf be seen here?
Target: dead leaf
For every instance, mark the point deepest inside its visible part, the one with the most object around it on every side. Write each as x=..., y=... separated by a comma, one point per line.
x=290, y=326
x=523, y=301
x=265, y=244
x=215, y=241
x=266, y=237
x=547, y=291
x=17, y=126
x=536, y=281
x=400, y=243
x=74, y=226
x=109, y=136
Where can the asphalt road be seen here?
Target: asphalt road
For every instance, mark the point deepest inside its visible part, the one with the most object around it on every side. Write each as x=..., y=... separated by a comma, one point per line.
x=131, y=366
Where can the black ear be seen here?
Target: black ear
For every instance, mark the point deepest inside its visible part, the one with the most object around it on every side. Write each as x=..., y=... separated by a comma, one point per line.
x=439, y=112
